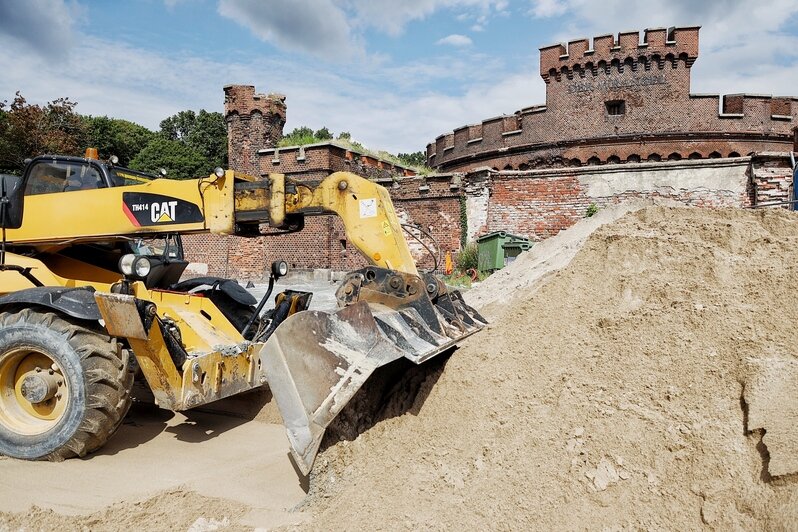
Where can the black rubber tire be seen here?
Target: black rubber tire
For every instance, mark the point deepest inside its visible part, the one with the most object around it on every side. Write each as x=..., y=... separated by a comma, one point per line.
x=99, y=382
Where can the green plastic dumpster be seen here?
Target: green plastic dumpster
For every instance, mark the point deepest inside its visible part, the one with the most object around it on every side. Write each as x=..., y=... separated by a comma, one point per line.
x=491, y=249
x=513, y=248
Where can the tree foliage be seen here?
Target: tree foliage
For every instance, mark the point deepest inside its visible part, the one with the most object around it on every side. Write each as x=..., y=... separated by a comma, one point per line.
x=303, y=135
x=413, y=159
x=28, y=130
x=323, y=134
x=179, y=160
x=112, y=136
x=203, y=132
x=299, y=137
x=189, y=144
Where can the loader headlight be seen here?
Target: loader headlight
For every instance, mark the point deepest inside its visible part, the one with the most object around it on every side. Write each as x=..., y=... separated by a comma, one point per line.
x=142, y=267
x=135, y=265
x=279, y=268
x=126, y=264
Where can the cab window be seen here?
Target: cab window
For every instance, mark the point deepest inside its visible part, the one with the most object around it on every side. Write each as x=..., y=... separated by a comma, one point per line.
x=122, y=177
x=50, y=177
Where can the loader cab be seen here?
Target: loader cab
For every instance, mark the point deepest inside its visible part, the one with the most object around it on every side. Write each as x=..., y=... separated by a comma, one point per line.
x=159, y=255
x=49, y=174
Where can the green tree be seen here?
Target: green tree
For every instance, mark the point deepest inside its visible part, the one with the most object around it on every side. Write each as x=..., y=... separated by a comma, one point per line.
x=304, y=135
x=179, y=160
x=28, y=130
x=323, y=134
x=298, y=137
x=344, y=135
x=204, y=132
x=112, y=136
x=413, y=159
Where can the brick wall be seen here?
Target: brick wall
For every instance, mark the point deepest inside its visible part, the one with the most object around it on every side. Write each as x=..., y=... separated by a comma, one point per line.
x=533, y=202
x=430, y=203
x=771, y=179
x=314, y=162
x=535, y=207
x=661, y=120
x=255, y=123
x=540, y=203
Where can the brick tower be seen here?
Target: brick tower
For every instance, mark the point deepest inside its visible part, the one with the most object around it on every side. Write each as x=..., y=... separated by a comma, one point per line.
x=620, y=98
x=254, y=122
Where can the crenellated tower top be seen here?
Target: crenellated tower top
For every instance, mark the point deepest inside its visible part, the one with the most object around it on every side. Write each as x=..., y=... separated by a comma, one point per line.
x=254, y=122
x=657, y=47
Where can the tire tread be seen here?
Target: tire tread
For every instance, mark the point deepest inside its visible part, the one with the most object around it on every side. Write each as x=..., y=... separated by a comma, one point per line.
x=107, y=379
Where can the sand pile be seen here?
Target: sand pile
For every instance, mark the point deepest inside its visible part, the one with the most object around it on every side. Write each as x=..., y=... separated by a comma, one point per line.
x=630, y=390
x=532, y=268
x=177, y=509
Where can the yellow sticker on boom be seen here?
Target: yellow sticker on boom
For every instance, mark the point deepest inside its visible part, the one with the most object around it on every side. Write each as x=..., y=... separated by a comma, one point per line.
x=386, y=228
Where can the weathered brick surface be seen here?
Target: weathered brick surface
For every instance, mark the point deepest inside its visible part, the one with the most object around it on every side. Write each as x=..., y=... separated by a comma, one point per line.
x=771, y=179
x=539, y=204
x=516, y=191
x=254, y=121
x=255, y=124
x=314, y=162
x=323, y=243
x=661, y=118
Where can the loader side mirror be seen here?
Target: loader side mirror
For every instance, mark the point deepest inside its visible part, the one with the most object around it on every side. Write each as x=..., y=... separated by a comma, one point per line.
x=11, y=201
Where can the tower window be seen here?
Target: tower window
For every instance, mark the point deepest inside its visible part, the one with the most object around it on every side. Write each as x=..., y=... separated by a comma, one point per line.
x=616, y=107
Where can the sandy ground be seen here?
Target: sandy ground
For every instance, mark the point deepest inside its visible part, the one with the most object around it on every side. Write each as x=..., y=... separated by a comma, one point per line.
x=225, y=465
x=637, y=374
x=168, y=469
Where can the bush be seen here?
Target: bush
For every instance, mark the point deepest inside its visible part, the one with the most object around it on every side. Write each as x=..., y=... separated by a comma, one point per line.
x=591, y=210
x=468, y=257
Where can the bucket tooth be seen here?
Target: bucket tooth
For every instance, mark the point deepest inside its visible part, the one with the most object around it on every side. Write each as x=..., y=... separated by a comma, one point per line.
x=400, y=332
x=420, y=327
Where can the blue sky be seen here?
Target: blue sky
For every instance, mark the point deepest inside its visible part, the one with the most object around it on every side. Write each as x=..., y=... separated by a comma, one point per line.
x=395, y=74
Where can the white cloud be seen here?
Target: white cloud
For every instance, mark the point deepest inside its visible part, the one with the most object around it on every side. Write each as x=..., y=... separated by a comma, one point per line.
x=318, y=27
x=41, y=25
x=334, y=28
x=397, y=107
x=548, y=8
x=392, y=16
x=400, y=116
x=455, y=40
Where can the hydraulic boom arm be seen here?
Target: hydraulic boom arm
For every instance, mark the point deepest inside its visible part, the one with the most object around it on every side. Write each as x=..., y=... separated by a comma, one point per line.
x=225, y=203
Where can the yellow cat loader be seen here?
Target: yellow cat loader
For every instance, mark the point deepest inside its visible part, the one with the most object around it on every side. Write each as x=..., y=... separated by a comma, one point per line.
x=90, y=271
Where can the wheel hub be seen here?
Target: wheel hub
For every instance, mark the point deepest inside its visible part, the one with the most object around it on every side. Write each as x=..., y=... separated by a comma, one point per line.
x=39, y=387
x=33, y=391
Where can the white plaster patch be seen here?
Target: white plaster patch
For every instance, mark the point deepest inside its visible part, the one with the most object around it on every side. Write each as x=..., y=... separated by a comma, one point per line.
x=665, y=181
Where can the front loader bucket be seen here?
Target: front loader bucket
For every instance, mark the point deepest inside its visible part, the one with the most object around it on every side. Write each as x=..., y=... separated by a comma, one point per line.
x=315, y=362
